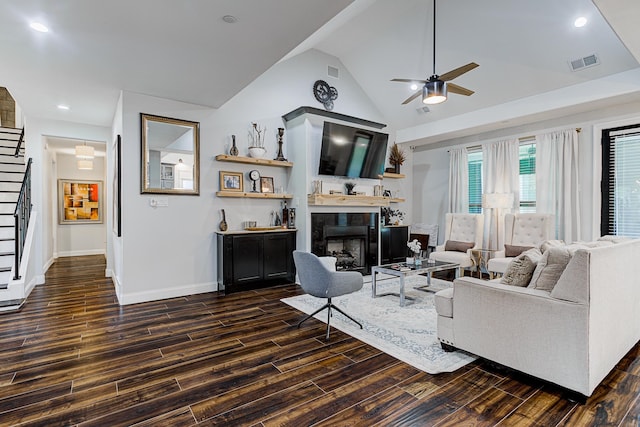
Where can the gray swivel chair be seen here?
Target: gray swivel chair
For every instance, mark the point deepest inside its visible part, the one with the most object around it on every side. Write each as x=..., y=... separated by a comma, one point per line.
x=318, y=280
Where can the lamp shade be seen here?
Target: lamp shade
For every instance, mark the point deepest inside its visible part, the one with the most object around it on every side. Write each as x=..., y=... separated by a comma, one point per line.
x=84, y=152
x=85, y=164
x=434, y=91
x=497, y=200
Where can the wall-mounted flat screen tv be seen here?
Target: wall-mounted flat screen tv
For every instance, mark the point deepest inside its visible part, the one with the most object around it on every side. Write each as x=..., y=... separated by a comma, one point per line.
x=352, y=152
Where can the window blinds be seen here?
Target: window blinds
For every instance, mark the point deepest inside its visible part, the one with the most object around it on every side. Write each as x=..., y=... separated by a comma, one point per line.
x=620, y=213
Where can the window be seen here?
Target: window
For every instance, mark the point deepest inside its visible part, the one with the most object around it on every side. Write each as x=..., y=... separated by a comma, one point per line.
x=528, y=177
x=527, y=159
x=621, y=181
x=474, y=158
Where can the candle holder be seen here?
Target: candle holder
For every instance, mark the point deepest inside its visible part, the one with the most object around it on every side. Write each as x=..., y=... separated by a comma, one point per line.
x=280, y=155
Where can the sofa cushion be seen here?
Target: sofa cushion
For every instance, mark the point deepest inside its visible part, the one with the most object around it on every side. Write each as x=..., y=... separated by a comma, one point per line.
x=520, y=269
x=544, y=246
x=453, y=245
x=573, y=284
x=511, y=251
x=444, y=302
x=550, y=268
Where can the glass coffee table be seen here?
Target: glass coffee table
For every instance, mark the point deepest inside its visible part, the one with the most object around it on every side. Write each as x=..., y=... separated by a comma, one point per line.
x=402, y=270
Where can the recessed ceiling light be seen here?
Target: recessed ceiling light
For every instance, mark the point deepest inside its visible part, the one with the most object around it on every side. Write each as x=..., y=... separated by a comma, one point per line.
x=414, y=86
x=63, y=107
x=580, y=22
x=229, y=19
x=39, y=27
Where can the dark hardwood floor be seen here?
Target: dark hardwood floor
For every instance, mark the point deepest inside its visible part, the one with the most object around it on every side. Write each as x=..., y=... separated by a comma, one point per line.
x=73, y=356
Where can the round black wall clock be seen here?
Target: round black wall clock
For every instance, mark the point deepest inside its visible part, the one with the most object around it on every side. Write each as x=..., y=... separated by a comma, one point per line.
x=325, y=94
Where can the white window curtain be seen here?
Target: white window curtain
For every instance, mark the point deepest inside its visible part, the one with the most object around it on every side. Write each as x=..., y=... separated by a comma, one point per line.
x=501, y=171
x=458, y=181
x=557, y=181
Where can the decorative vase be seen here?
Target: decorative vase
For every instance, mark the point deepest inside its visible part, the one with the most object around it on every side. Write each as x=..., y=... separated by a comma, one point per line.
x=417, y=260
x=396, y=168
x=257, y=152
x=234, y=149
x=280, y=155
x=349, y=186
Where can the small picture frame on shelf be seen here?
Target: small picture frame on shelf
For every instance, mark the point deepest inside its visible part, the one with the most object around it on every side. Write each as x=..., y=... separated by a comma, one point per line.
x=266, y=184
x=231, y=181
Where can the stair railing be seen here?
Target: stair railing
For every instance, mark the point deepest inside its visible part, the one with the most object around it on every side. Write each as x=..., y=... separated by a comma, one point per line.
x=19, y=145
x=21, y=216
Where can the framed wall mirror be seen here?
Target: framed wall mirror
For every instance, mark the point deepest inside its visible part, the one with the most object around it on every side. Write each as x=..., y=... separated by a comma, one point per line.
x=170, y=155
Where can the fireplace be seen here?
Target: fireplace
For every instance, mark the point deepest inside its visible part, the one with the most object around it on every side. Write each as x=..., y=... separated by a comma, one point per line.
x=350, y=237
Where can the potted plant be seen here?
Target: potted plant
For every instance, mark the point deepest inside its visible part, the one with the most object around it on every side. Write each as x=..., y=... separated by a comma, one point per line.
x=256, y=136
x=396, y=157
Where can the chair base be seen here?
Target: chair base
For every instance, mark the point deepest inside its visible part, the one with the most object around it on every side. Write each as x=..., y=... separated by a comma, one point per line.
x=329, y=305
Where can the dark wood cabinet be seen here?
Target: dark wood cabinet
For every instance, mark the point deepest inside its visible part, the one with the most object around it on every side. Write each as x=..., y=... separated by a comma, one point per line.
x=393, y=241
x=255, y=260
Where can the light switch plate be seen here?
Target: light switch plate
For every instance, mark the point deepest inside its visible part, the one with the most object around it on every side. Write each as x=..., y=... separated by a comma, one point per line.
x=159, y=202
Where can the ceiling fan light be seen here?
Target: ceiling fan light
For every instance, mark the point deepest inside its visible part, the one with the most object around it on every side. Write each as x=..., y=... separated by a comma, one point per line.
x=434, y=92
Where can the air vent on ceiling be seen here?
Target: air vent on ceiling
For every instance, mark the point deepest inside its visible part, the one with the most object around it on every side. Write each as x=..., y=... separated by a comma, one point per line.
x=422, y=110
x=584, y=62
x=333, y=72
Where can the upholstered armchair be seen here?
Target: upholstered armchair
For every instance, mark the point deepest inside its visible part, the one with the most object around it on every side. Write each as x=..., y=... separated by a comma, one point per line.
x=462, y=233
x=318, y=277
x=521, y=230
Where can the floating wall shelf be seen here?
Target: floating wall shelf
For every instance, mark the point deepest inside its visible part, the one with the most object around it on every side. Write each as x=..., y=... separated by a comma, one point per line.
x=392, y=175
x=253, y=161
x=241, y=194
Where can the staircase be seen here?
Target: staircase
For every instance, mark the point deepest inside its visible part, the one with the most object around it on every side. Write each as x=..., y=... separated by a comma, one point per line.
x=12, y=170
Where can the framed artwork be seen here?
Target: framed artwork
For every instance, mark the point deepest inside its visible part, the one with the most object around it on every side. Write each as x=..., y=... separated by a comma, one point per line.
x=266, y=184
x=80, y=202
x=117, y=187
x=231, y=181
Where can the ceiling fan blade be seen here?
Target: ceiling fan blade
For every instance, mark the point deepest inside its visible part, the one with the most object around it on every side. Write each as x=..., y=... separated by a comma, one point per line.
x=412, y=97
x=454, y=88
x=409, y=80
x=458, y=71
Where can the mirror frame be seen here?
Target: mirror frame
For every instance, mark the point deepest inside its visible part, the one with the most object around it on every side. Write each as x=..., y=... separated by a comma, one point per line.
x=145, y=119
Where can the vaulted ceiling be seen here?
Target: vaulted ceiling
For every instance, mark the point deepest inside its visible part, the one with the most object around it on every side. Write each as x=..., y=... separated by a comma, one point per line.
x=172, y=49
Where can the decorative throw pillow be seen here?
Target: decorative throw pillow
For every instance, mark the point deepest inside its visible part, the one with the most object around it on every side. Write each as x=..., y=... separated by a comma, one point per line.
x=452, y=245
x=511, y=251
x=544, y=246
x=550, y=268
x=520, y=269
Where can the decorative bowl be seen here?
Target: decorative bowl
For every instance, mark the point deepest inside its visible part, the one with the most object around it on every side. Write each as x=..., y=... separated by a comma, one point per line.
x=257, y=152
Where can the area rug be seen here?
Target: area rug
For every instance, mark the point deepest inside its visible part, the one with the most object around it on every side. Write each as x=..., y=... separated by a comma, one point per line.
x=407, y=333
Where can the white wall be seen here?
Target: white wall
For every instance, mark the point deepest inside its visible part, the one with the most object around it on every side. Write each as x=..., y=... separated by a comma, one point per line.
x=431, y=164
x=81, y=238
x=166, y=252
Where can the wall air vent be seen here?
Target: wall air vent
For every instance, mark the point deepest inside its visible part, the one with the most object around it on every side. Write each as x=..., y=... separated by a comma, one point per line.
x=584, y=62
x=333, y=72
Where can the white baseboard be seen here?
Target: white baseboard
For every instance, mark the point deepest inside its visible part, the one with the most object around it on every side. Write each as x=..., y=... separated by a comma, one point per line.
x=81, y=253
x=160, y=294
x=48, y=264
x=108, y=272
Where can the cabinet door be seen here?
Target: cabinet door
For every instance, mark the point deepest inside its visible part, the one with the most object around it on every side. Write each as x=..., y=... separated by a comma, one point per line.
x=385, y=245
x=247, y=258
x=398, y=238
x=278, y=255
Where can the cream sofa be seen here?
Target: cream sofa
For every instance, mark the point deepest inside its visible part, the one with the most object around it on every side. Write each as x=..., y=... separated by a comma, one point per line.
x=572, y=336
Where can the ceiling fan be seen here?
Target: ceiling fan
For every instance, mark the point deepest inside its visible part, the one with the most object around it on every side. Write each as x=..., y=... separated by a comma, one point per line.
x=436, y=87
